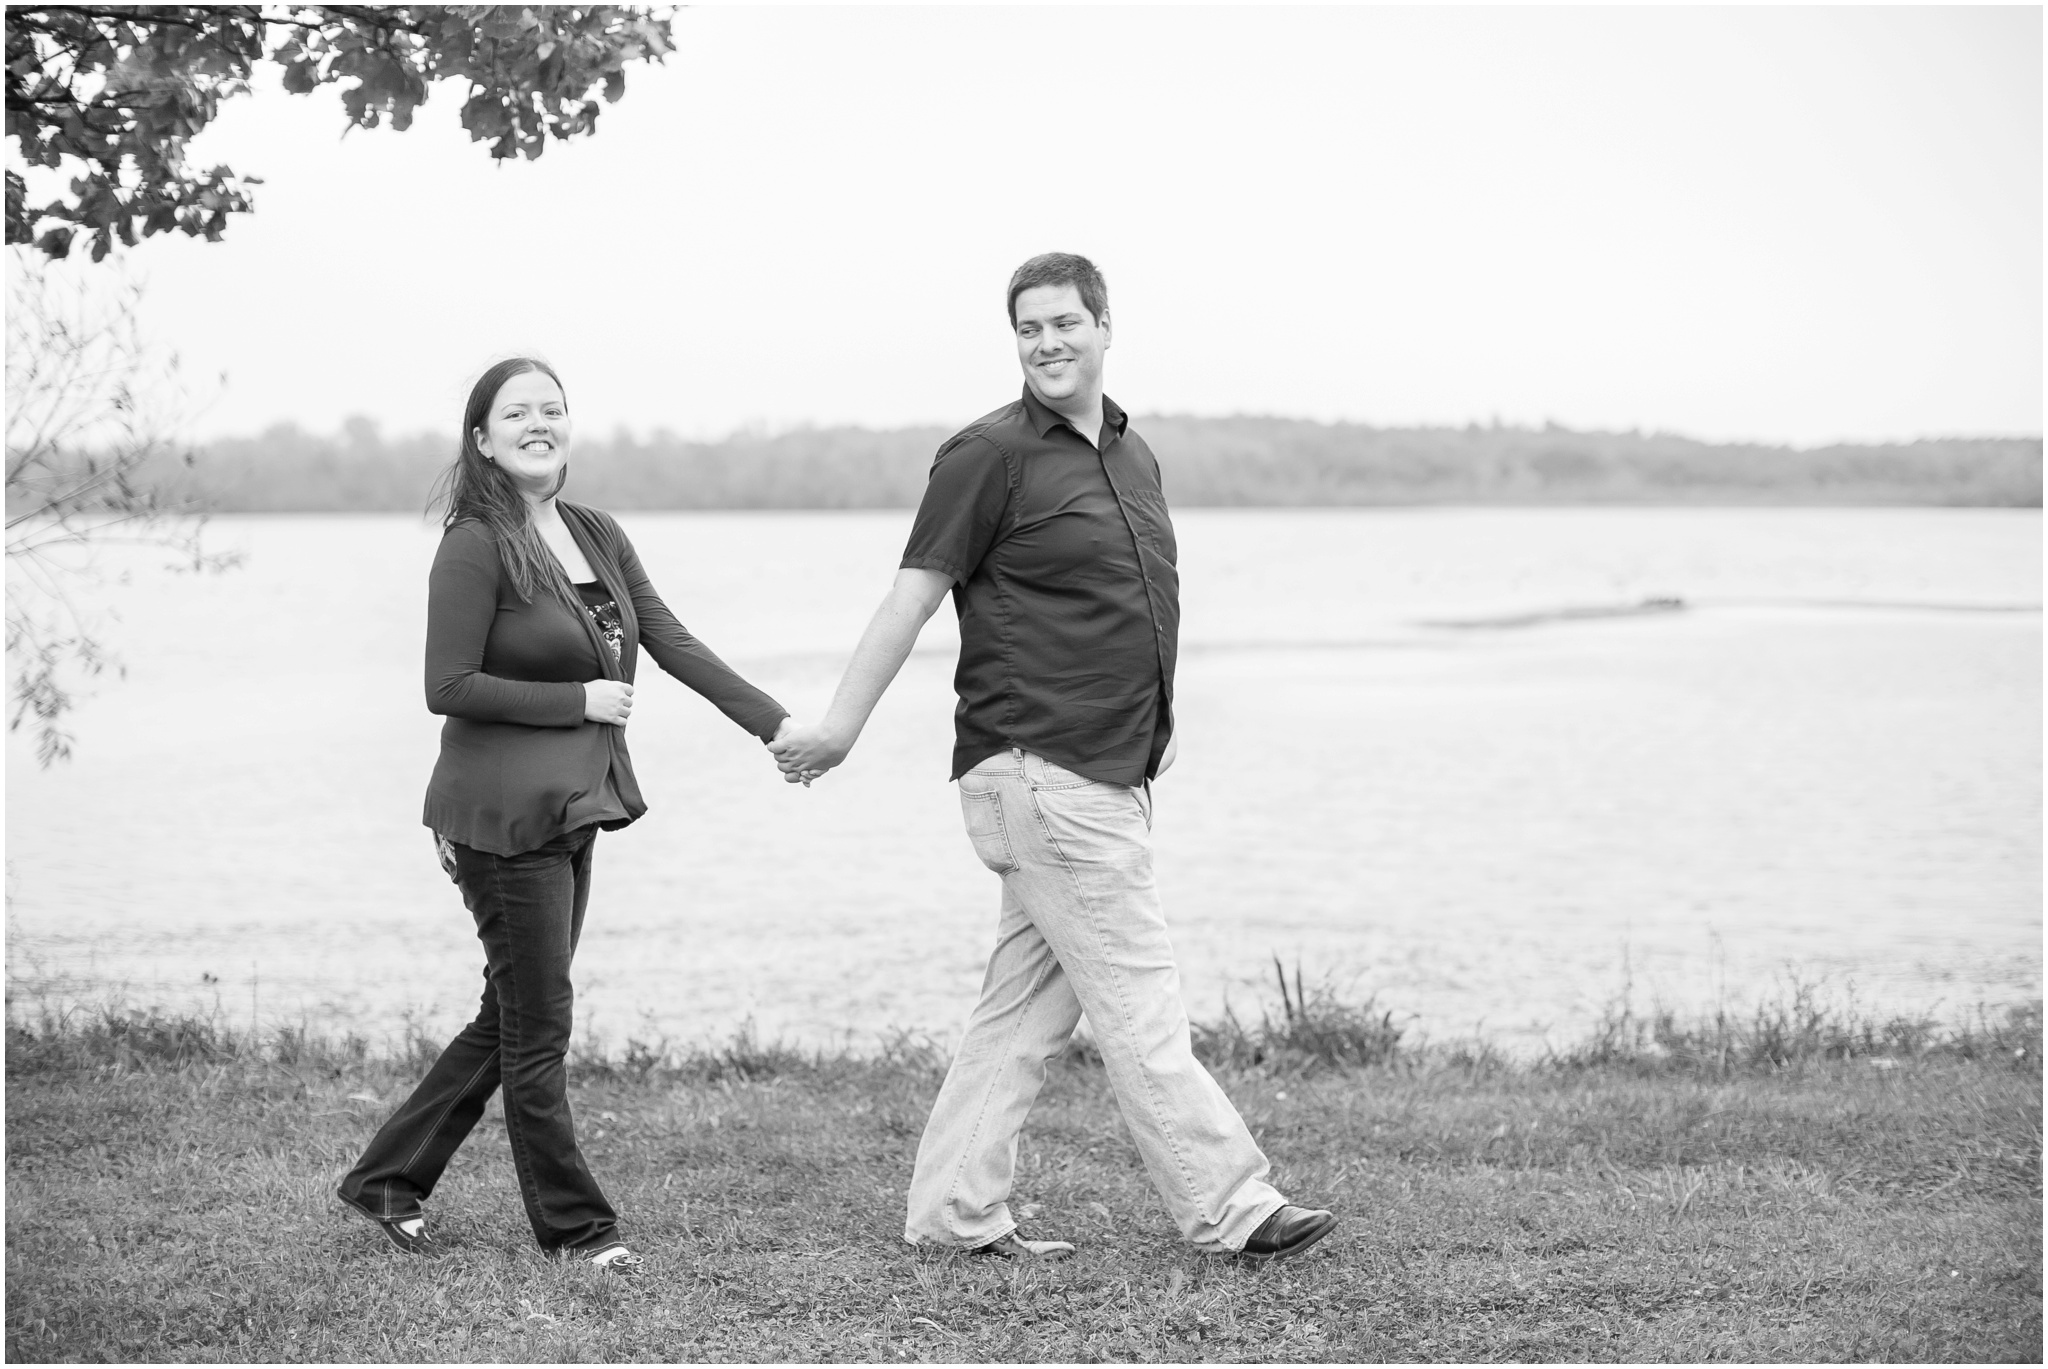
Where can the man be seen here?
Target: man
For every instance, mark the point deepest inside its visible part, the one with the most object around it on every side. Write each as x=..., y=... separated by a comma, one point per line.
x=1046, y=521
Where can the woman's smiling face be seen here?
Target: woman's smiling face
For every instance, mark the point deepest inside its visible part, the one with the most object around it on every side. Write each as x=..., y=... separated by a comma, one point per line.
x=527, y=432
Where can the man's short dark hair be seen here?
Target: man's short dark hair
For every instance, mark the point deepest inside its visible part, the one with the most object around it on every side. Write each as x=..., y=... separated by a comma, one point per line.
x=1061, y=268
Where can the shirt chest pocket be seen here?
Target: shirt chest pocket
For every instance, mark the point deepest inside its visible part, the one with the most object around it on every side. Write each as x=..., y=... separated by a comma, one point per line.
x=1152, y=524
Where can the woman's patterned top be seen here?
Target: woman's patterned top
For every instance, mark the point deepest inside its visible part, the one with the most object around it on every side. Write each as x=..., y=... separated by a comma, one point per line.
x=604, y=611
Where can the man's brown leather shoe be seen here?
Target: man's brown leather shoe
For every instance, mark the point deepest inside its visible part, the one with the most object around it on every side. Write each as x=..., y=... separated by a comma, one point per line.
x=1289, y=1231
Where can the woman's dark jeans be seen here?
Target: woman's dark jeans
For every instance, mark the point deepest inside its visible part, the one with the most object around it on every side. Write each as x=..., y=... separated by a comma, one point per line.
x=529, y=913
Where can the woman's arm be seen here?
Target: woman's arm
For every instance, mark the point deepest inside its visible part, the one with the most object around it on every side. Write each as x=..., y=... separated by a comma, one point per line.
x=677, y=651
x=462, y=602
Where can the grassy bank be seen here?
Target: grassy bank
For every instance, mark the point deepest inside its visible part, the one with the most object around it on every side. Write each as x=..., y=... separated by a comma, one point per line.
x=1771, y=1187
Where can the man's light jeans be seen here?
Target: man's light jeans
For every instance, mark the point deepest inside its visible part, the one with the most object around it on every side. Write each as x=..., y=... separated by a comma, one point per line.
x=1081, y=929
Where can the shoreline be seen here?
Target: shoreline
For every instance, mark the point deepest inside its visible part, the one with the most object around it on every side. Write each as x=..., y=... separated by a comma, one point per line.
x=1312, y=1022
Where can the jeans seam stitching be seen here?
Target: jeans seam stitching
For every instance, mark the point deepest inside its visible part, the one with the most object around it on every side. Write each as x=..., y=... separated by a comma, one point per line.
x=988, y=1094
x=522, y=1155
x=435, y=1129
x=1124, y=1008
x=1003, y=831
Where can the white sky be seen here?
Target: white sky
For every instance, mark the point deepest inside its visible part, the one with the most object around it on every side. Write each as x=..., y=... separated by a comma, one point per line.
x=1788, y=225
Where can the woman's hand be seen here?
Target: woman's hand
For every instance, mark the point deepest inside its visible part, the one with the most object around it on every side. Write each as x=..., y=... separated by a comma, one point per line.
x=798, y=776
x=607, y=701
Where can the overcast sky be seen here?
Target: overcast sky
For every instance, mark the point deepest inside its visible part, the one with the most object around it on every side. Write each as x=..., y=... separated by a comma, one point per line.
x=1788, y=225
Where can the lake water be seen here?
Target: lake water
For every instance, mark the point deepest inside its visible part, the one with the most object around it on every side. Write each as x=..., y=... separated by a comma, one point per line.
x=1395, y=771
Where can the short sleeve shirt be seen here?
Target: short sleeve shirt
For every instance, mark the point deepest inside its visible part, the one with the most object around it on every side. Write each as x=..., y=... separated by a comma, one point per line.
x=1063, y=561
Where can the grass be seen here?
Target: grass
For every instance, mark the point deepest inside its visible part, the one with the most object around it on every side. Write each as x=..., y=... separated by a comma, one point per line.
x=1318, y=1028
x=1790, y=1184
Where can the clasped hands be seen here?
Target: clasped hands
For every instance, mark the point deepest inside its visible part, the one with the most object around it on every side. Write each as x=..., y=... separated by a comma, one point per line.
x=803, y=752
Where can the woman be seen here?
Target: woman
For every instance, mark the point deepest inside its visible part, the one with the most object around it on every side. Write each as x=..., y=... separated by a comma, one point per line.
x=536, y=613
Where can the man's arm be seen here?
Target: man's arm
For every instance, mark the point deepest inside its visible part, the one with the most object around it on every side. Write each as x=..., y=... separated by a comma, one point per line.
x=883, y=648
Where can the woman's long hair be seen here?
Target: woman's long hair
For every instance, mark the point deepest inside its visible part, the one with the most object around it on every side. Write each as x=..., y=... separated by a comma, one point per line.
x=473, y=486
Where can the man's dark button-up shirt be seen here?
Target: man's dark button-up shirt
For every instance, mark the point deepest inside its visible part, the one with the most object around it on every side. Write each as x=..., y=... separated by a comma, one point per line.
x=1069, y=602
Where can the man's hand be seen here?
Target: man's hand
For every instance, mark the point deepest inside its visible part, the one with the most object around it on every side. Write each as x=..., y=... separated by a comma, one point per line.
x=807, y=750
x=1166, y=757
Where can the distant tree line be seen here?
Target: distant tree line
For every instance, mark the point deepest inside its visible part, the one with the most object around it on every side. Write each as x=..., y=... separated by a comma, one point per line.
x=1206, y=461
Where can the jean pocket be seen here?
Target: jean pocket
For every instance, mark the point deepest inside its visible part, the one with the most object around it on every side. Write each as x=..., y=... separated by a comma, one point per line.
x=1092, y=822
x=983, y=810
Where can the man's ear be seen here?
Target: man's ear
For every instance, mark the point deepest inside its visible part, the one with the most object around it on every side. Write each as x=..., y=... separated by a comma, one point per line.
x=1103, y=323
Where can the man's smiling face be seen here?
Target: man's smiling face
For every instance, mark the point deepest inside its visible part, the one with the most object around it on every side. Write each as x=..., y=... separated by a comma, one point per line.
x=1060, y=343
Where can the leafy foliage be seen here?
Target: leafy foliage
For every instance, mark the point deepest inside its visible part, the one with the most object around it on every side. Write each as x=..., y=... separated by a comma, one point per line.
x=112, y=97
x=115, y=94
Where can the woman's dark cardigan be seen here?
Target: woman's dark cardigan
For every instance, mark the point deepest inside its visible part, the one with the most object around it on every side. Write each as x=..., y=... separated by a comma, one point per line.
x=519, y=763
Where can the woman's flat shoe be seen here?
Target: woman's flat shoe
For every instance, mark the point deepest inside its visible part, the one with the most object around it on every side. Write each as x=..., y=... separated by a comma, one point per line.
x=615, y=1259
x=409, y=1234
